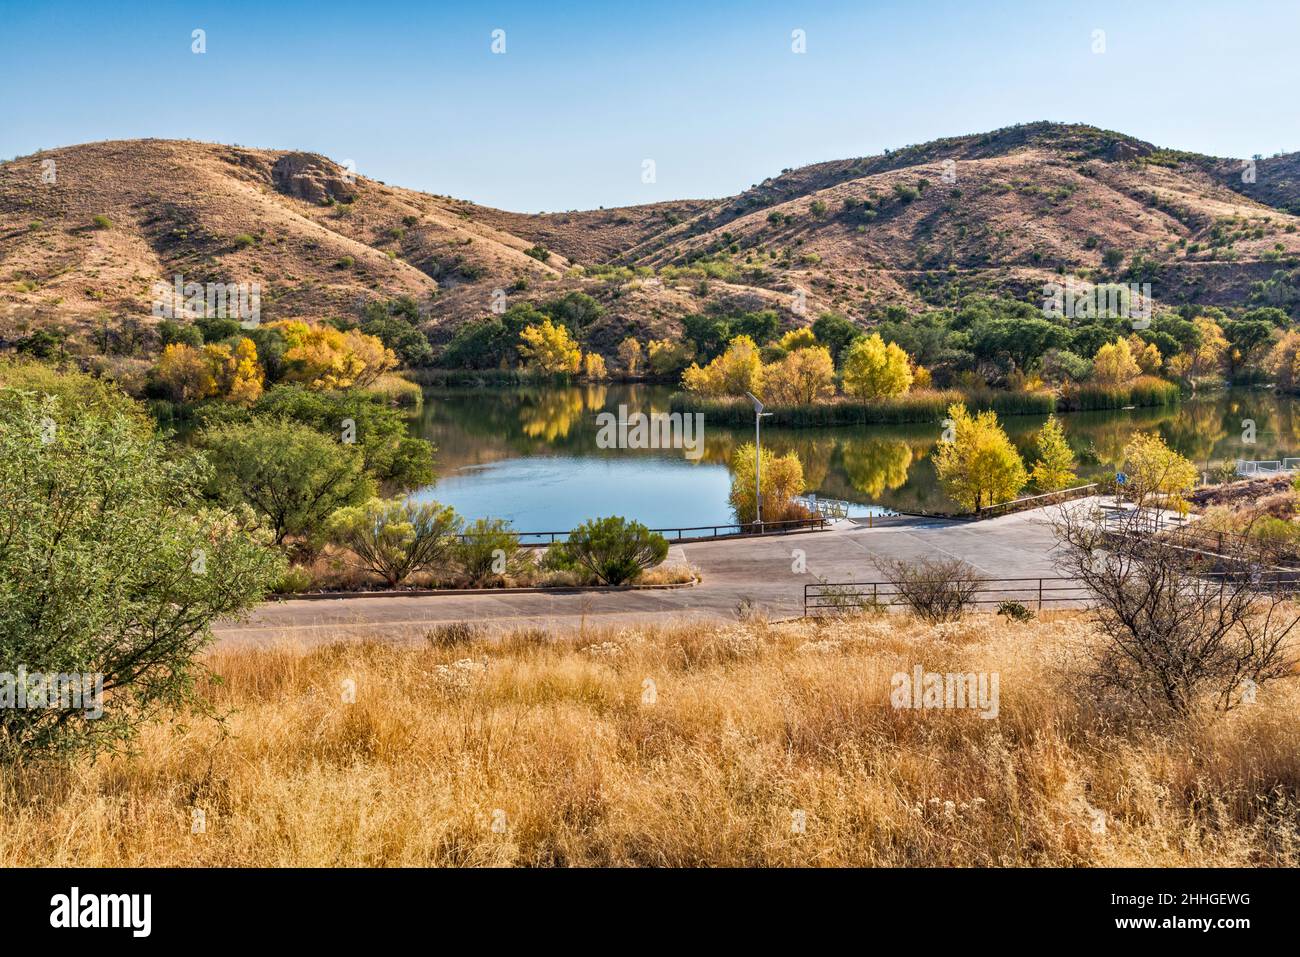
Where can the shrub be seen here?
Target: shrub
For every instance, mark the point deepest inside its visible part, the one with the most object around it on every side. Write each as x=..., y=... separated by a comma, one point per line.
x=102, y=222
x=454, y=633
x=613, y=550
x=1015, y=611
x=110, y=566
x=395, y=538
x=1177, y=638
x=488, y=551
x=936, y=589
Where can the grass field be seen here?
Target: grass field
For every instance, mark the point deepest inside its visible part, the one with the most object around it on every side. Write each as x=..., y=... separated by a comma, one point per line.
x=749, y=744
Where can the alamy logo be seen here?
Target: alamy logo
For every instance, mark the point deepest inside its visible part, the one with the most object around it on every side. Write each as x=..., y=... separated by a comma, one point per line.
x=67, y=692
x=1085, y=300
x=208, y=300
x=932, y=689
x=103, y=910
x=658, y=430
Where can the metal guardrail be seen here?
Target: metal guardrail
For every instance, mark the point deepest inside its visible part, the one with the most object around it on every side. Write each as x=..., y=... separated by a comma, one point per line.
x=838, y=597
x=736, y=530
x=1007, y=508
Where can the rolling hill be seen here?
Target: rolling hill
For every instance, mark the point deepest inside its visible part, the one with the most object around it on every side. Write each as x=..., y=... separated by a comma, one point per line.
x=86, y=231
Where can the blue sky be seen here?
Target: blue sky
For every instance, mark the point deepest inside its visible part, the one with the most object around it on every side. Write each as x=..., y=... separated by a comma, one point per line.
x=711, y=91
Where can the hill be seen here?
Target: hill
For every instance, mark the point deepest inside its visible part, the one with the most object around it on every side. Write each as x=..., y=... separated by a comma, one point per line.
x=86, y=232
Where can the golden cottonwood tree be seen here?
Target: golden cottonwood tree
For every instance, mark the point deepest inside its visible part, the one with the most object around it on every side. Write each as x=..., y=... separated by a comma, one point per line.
x=980, y=466
x=804, y=376
x=1054, y=469
x=873, y=370
x=735, y=372
x=548, y=348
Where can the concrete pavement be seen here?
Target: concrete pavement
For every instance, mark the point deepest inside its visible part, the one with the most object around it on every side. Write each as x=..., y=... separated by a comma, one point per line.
x=762, y=572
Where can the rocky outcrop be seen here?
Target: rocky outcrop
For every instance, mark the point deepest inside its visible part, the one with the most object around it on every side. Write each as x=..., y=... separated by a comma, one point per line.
x=312, y=178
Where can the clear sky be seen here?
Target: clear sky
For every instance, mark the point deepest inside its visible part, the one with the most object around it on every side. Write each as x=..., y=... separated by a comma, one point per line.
x=585, y=92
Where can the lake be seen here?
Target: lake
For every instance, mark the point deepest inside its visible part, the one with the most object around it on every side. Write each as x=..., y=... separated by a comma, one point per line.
x=530, y=454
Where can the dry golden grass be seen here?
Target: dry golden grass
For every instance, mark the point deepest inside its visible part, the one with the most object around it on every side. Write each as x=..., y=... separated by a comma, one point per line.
x=751, y=722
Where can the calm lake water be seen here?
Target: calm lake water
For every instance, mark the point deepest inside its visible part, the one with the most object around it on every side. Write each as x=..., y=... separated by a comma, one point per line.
x=530, y=454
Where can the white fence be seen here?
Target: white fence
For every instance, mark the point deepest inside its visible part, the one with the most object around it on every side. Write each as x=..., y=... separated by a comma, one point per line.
x=1271, y=467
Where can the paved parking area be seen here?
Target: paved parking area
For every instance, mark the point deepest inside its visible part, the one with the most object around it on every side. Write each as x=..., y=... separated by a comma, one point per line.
x=764, y=573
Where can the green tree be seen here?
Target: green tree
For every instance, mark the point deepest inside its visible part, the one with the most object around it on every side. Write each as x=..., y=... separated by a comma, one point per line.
x=396, y=460
x=979, y=466
x=835, y=332
x=110, y=565
x=394, y=538
x=613, y=550
x=288, y=473
x=1054, y=469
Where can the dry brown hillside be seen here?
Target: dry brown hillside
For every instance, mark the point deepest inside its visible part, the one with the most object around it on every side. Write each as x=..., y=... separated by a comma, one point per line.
x=85, y=232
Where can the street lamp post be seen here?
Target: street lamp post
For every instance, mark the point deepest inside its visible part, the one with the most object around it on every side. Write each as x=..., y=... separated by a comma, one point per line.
x=758, y=459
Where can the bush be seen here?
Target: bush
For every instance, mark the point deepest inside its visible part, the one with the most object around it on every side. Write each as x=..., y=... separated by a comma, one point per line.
x=295, y=579
x=613, y=550
x=936, y=589
x=111, y=567
x=1015, y=611
x=102, y=222
x=454, y=633
x=488, y=551
x=395, y=538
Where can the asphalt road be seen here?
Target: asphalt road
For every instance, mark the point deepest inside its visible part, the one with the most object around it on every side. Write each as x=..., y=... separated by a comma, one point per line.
x=768, y=574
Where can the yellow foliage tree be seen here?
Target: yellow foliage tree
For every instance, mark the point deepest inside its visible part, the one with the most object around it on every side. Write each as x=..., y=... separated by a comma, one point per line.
x=185, y=373
x=980, y=466
x=873, y=370
x=1054, y=469
x=1153, y=469
x=593, y=366
x=1283, y=362
x=1146, y=355
x=735, y=372
x=548, y=348
x=245, y=386
x=803, y=377
x=1114, y=363
x=322, y=357
x=798, y=339
x=629, y=353
x=1206, y=358
x=782, y=480
x=667, y=357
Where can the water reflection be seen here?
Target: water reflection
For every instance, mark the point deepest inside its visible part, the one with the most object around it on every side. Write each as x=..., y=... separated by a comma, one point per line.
x=545, y=438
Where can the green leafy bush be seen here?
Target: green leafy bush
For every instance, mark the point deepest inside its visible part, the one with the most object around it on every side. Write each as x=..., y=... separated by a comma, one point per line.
x=612, y=550
x=395, y=538
x=110, y=566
